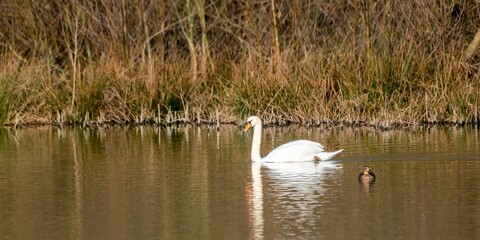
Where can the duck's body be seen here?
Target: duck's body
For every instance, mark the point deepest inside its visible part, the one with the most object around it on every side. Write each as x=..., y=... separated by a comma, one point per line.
x=367, y=175
x=295, y=151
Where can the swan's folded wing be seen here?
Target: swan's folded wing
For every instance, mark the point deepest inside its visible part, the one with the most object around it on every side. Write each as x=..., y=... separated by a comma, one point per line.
x=300, y=142
x=296, y=151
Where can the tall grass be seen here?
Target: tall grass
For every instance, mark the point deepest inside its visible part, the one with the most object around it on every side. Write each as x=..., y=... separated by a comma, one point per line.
x=142, y=61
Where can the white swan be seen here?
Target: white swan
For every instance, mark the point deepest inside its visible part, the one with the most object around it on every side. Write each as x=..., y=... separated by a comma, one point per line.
x=295, y=151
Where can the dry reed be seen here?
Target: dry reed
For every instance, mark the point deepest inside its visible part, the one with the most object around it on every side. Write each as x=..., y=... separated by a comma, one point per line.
x=311, y=62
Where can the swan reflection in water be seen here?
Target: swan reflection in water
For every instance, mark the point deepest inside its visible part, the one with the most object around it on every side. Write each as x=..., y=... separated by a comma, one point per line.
x=292, y=192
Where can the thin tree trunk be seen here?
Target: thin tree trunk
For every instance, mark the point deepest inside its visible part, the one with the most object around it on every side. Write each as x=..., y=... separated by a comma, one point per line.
x=276, y=40
x=205, y=58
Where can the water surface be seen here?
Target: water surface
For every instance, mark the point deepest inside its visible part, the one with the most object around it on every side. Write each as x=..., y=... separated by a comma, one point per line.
x=197, y=183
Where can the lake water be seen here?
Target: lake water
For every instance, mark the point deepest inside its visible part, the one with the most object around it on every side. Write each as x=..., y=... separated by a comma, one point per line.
x=197, y=183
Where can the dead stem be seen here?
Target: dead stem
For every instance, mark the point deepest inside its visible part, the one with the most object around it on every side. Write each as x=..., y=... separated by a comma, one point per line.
x=362, y=63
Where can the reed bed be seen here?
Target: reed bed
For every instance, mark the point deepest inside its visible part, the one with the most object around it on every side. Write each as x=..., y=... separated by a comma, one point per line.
x=379, y=63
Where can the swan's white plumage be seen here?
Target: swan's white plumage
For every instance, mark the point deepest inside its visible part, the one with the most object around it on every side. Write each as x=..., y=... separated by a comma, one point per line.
x=295, y=151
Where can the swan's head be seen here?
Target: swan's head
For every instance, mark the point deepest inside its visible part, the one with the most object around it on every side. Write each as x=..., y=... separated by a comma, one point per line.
x=251, y=122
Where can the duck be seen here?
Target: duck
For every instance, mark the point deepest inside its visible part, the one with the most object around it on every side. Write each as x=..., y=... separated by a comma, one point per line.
x=294, y=151
x=367, y=175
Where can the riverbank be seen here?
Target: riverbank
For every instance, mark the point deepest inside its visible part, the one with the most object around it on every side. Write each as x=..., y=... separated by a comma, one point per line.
x=92, y=63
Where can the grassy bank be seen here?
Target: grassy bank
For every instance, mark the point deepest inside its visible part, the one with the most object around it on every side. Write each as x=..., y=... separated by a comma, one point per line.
x=139, y=61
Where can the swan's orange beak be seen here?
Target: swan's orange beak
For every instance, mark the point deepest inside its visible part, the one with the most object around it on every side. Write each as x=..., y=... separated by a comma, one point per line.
x=248, y=125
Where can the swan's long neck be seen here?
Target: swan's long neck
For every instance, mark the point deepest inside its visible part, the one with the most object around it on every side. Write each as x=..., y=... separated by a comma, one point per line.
x=257, y=139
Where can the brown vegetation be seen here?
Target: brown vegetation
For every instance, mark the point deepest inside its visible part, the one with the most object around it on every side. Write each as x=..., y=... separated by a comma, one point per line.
x=367, y=62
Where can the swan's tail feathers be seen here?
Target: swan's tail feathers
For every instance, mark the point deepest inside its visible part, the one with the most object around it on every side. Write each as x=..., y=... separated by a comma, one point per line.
x=328, y=155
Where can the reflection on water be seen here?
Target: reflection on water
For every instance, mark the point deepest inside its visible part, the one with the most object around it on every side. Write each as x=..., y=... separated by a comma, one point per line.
x=256, y=199
x=197, y=183
x=298, y=188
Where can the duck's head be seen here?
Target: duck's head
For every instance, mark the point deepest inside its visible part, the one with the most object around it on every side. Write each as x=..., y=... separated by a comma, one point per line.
x=366, y=170
x=367, y=176
x=251, y=122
